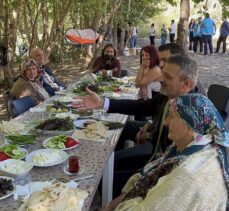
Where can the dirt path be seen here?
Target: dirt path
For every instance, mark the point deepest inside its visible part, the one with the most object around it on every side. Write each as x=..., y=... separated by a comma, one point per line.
x=213, y=69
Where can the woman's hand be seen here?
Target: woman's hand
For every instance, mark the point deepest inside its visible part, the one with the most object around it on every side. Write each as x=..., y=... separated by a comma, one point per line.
x=143, y=93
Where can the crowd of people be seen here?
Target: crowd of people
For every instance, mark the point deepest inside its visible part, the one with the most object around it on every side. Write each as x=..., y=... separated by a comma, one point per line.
x=175, y=153
x=200, y=33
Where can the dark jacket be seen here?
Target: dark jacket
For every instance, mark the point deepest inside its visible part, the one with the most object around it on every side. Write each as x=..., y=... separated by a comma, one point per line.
x=100, y=64
x=224, y=29
x=47, y=86
x=152, y=107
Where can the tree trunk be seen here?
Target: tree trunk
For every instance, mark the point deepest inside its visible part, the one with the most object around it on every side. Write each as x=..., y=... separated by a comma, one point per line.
x=182, y=29
x=26, y=24
x=11, y=39
x=34, y=38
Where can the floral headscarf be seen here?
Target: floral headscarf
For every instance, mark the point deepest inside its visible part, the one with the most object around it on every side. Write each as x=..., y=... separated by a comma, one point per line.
x=201, y=116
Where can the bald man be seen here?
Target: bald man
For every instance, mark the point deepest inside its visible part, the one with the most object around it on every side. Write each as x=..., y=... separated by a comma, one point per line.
x=49, y=81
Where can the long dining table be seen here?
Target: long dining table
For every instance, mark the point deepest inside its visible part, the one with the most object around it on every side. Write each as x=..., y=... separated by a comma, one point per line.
x=97, y=159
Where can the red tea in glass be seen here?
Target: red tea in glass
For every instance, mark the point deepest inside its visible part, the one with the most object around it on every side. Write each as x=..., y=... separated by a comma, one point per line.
x=73, y=164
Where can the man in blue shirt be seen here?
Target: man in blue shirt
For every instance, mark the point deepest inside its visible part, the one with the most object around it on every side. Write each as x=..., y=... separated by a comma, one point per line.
x=224, y=32
x=208, y=29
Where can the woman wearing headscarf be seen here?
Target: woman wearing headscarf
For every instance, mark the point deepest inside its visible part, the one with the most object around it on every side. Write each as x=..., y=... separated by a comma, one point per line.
x=148, y=75
x=193, y=173
x=28, y=83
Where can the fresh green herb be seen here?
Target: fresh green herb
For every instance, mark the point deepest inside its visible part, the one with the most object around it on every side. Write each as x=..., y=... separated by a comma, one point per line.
x=21, y=139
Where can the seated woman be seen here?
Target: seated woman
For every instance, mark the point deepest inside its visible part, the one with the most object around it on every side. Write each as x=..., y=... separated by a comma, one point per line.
x=193, y=173
x=107, y=61
x=28, y=83
x=149, y=73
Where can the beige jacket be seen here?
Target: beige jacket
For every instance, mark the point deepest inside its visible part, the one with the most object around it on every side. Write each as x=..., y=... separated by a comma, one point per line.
x=195, y=185
x=22, y=88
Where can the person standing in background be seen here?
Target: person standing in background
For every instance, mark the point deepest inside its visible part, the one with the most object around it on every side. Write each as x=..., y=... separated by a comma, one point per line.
x=163, y=35
x=197, y=33
x=152, y=34
x=224, y=32
x=191, y=37
x=208, y=29
x=172, y=31
x=133, y=36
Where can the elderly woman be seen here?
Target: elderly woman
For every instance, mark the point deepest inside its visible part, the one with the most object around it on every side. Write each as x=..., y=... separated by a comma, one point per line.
x=193, y=173
x=28, y=83
x=149, y=73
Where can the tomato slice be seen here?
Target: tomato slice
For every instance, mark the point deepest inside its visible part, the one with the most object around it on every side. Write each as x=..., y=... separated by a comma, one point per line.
x=4, y=156
x=70, y=142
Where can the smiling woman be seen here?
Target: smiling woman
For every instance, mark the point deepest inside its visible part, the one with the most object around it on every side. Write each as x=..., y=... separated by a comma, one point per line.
x=28, y=83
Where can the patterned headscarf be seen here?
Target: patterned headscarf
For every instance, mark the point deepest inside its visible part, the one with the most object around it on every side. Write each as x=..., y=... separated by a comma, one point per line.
x=201, y=116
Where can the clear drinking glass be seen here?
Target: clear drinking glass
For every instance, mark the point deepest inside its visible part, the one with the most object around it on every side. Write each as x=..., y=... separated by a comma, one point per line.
x=22, y=187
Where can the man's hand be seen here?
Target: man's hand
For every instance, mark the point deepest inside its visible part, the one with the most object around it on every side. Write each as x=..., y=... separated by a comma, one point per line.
x=91, y=101
x=141, y=137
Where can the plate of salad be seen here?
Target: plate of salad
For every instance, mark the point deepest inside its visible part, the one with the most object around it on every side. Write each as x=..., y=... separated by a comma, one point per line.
x=60, y=142
x=12, y=151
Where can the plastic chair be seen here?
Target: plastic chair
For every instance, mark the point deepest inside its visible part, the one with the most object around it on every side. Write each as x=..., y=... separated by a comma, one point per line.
x=219, y=96
x=21, y=105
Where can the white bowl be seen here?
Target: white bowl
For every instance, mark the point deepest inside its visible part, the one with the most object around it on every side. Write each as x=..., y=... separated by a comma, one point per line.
x=15, y=167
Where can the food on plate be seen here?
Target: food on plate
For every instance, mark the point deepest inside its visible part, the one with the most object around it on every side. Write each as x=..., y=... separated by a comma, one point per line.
x=57, y=107
x=46, y=157
x=16, y=167
x=93, y=131
x=81, y=89
x=21, y=139
x=6, y=186
x=61, y=142
x=64, y=99
x=83, y=113
x=10, y=127
x=11, y=151
x=55, y=197
x=60, y=124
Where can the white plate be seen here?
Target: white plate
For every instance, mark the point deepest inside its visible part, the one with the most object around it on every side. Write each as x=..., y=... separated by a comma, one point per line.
x=64, y=115
x=11, y=192
x=63, y=157
x=37, y=109
x=64, y=99
x=46, y=140
x=16, y=164
x=80, y=123
x=81, y=171
x=76, y=132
